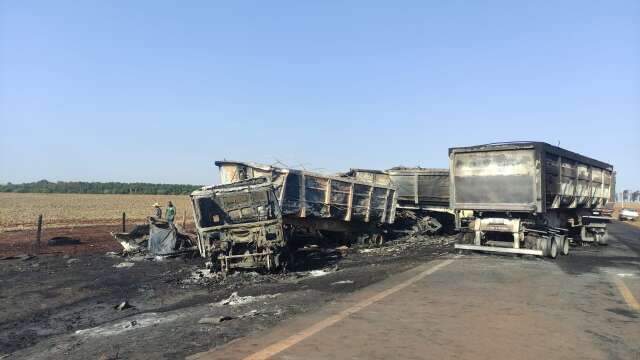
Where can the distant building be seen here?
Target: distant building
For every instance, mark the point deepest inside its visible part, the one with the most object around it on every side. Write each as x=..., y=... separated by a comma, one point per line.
x=628, y=196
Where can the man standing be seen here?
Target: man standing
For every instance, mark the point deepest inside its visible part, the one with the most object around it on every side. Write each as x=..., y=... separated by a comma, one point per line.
x=170, y=212
x=157, y=211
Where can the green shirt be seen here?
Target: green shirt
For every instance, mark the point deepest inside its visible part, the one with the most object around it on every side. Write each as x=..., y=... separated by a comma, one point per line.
x=170, y=213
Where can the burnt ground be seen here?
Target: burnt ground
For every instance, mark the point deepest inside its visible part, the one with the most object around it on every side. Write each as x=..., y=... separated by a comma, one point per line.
x=62, y=305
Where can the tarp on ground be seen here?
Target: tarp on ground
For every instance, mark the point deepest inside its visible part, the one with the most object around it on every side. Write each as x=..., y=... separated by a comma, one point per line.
x=157, y=237
x=163, y=238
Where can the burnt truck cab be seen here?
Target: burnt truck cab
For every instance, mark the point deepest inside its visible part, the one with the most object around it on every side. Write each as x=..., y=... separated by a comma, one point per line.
x=239, y=225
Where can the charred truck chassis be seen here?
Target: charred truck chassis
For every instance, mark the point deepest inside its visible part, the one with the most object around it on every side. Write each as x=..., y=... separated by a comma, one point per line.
x=240, y=226
x=527, y=198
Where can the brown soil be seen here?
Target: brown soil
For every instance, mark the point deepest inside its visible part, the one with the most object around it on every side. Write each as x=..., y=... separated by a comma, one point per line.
x=93, y=240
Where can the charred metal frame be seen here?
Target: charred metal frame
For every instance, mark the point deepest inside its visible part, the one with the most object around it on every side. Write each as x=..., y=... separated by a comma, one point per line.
x=260, y=258
x=281, y=177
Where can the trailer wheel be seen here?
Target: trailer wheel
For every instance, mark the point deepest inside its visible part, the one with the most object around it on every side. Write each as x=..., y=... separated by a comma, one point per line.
x=553, y=248
x=565, y=245
x=542, y=244
x=562, y=243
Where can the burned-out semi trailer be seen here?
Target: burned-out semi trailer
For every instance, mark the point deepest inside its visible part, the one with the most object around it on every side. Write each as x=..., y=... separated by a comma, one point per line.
x=422, y=195
x=310, y=207
x=417, y=188
x=527, y=198
x=319, y=202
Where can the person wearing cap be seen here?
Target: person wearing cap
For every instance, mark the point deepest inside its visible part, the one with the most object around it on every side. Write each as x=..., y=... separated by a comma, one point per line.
x=158, y=211
x=170, y=212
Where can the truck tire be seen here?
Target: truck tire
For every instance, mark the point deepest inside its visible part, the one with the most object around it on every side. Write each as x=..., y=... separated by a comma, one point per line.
x=565, y=246
x=552, y=248
x=544, y=244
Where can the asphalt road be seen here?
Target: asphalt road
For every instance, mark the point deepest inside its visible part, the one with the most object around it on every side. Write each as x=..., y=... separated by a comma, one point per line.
x=476, y=306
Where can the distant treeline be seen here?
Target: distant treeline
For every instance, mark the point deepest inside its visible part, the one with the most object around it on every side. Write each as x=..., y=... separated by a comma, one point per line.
x=80, y=187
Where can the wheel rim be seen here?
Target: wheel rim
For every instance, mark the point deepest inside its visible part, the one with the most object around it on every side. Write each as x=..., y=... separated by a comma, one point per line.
x=565, y=246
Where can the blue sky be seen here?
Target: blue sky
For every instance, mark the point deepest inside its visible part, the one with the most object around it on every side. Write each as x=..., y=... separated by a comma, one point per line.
x=156, y=91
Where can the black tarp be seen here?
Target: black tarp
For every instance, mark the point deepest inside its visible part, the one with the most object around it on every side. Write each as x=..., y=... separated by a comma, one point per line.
x=158, y=237
x=163, y=238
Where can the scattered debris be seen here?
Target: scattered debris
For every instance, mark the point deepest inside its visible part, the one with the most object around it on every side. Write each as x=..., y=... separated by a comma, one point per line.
x=135, y=240
x=219, y=319
x=139, y=321
x=62, y=240
x=625, y=275
x=23, y=257
x=202, y=275
x=317, y=273
x=399, y=246
x=123, y=305
x=215, y=320
x=234, y=299
x=137, y=257
x=342, y=282
x=72, y=260
x=249, y=314
x=427, y=225
x=323, y=272
x=124, y=265
x=416, y=223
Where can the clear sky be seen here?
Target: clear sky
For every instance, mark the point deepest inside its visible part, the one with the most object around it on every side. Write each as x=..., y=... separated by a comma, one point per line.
x=155, y=91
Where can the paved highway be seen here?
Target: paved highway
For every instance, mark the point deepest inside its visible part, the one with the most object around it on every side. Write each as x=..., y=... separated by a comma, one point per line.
x=476, y=306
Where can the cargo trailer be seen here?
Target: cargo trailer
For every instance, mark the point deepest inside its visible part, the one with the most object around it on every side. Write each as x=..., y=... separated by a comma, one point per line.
x=422, y=196
x=417, y=188
x=528, y=197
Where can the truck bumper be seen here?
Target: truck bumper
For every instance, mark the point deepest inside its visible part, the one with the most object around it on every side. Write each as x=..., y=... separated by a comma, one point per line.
x=495, y=249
